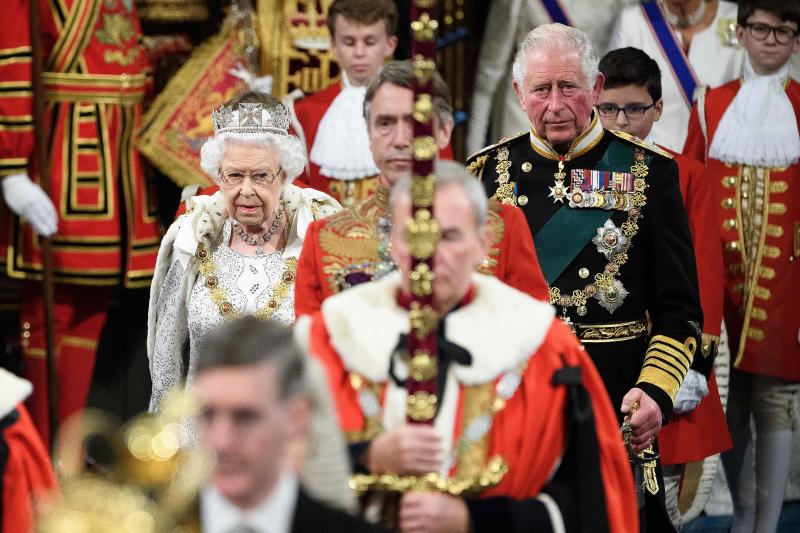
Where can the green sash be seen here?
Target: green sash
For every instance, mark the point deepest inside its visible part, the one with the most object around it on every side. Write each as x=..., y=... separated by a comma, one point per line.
x=567, y=232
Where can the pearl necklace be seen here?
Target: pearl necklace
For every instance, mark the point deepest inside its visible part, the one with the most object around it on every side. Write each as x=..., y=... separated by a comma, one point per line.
x=677, y=22
x=260, y=240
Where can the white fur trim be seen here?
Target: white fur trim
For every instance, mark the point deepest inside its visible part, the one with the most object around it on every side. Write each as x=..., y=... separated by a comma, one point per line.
x=501, y=327
x=15, y=390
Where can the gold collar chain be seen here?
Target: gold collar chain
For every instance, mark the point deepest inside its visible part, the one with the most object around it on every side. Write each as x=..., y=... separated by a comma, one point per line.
x=605, y=282
x=219, y=296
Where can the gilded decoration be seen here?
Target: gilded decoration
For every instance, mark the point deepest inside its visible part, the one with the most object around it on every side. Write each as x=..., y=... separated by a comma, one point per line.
x=295, y=45
x=614, y=244
x=593, y=333
x=171, y=11
x=219, y=295
x=179, y=120
x=489, y=476
x=498, y=227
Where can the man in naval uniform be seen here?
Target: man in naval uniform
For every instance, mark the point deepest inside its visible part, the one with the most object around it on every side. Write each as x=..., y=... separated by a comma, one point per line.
x=610, y=231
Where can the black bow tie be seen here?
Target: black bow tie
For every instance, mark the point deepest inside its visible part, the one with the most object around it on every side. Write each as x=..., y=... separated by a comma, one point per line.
x=447, y=352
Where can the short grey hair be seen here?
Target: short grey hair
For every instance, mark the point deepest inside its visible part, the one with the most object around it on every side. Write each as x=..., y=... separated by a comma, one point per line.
x=401, y=73
x=249, y=341
x=555, y=36
x=287, y=148
x=448, y=172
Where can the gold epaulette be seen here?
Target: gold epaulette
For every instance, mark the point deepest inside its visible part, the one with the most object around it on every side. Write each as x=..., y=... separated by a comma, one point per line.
x=476, y=161
x=640, y=143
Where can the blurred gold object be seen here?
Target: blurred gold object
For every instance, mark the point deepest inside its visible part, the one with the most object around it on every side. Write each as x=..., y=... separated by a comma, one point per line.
x=457, y=486
x=171, y=11
x=150, y=484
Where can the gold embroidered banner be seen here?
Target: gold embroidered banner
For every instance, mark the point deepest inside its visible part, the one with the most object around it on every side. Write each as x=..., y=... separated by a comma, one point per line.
x=179, y=121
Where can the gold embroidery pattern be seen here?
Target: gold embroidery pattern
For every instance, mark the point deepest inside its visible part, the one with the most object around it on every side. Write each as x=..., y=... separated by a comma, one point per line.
x=593, y=333
x=505, y=191
x=498, y=227
x=350, y=239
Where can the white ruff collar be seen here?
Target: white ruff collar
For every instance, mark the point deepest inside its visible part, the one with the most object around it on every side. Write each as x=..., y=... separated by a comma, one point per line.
x=759, y=128
x=501, y=328
x=341, y=147
x=582, y=144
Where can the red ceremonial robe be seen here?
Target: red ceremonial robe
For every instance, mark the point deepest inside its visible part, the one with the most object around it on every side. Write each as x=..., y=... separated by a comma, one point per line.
x=26, y=475
x=354, y=337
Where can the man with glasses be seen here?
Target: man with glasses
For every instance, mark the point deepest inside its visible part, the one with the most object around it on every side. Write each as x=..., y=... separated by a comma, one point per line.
x=694, y=44
x=631, y=102
x=610, y=232
x=747, y=133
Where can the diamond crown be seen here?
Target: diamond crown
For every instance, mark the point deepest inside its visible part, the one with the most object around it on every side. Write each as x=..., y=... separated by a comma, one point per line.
x=251, y=118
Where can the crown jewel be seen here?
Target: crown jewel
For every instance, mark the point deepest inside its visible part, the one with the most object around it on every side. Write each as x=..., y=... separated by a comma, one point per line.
x=251, y=118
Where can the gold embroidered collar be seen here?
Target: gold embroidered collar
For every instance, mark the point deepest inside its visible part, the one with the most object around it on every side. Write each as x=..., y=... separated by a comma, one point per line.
x=585, y=142
x=382, y=197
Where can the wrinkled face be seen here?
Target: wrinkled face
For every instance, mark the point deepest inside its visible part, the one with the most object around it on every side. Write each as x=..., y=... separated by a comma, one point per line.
x=252, y=205
x=767, y=56
x=556, y=95
x=461, y=246
x=630, y=97
x=361, y=49
x=243, y=420
x=390, y=128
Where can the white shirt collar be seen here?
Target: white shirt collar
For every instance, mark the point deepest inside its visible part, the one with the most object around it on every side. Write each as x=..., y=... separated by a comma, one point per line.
x=273, y=515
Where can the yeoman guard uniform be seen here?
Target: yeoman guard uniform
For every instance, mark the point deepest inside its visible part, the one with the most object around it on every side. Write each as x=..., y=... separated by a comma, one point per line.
x=93, y=85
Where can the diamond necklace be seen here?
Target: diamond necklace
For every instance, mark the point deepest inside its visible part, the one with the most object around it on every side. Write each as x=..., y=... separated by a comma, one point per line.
x=678, y=22
x=260, y=240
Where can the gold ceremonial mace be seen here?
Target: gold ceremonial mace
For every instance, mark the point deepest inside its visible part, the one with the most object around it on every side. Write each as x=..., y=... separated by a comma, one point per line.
x=45, y=243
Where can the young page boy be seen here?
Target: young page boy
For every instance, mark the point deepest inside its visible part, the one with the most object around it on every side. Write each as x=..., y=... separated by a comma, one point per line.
x=332, y=120
x=746, y=131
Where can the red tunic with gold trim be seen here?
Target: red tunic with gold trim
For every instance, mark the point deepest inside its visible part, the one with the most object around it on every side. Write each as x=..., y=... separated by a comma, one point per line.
x=93, y=85
x=505, y=332
x=309, y=112
x=94, y=82
x=759, y=216
x=352, y=247
x=704, y=431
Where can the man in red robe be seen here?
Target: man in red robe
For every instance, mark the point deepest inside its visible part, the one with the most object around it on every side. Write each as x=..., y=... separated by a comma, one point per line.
x=631, y=102
x=352, y=246
x=746, y=131
x=510, y=378
x=95, y=71
x=26, y=475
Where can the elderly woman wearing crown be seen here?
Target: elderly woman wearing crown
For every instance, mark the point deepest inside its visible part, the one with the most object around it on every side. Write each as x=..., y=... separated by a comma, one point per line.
x=234, y=252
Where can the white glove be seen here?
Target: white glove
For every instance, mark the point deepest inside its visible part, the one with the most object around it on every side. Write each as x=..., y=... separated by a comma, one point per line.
x=693, y=389
x=29, y=201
